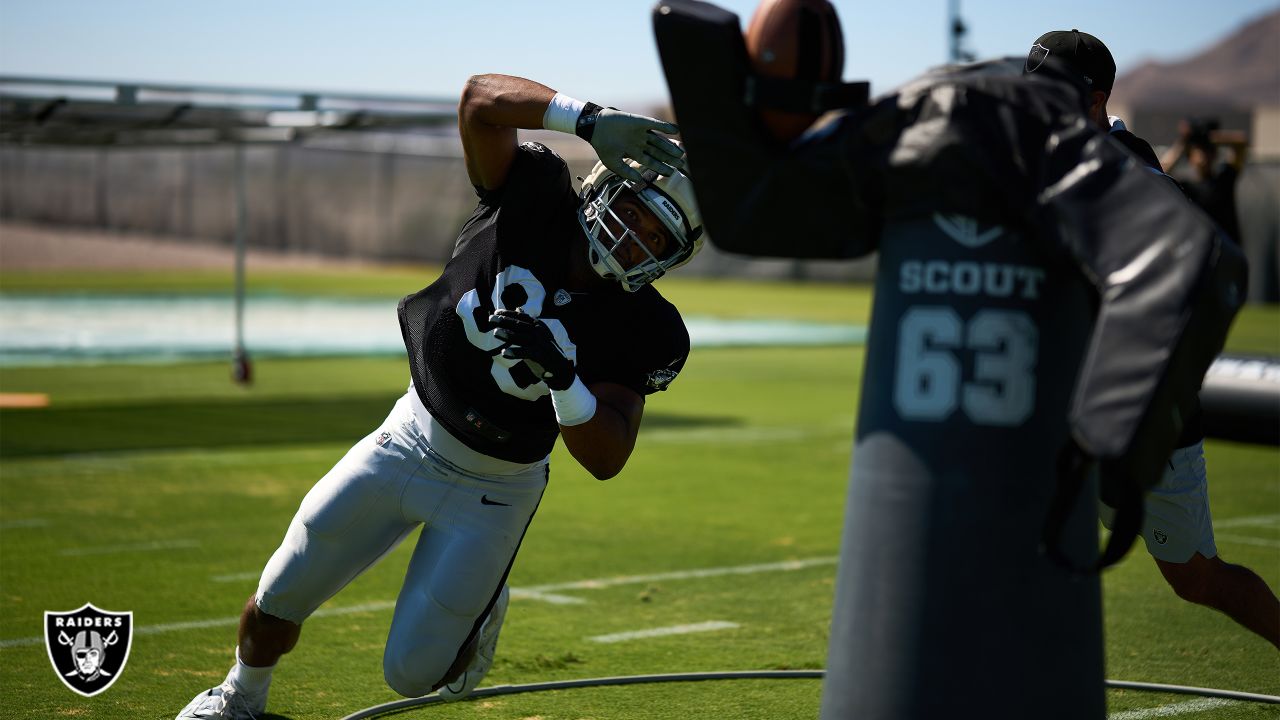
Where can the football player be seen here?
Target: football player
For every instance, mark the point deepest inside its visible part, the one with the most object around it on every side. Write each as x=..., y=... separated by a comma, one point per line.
x=544, y=323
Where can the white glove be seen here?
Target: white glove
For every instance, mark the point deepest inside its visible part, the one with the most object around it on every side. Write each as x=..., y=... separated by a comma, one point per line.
x=617, y=135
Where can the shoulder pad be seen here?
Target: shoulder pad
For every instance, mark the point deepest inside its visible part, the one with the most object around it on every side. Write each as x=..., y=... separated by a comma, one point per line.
x=537, y=148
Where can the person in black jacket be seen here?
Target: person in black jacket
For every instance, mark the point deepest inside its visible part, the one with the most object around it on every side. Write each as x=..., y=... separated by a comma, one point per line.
x=1178, y=528
x=1092, y=60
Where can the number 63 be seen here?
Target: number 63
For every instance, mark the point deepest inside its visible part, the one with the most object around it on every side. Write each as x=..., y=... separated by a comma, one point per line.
x=928, y=384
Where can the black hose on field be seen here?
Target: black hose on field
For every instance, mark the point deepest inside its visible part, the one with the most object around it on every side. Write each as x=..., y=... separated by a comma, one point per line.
x=497, y=690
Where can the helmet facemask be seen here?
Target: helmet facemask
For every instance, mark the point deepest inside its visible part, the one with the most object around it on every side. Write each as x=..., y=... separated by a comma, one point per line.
x=607, y=233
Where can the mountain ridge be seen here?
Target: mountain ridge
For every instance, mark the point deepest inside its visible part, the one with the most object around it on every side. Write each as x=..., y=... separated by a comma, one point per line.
x=1241, y=71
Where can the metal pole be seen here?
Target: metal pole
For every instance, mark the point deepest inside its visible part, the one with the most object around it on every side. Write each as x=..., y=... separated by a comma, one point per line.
x=956, y=30
x=241, y=370
x=953, y=39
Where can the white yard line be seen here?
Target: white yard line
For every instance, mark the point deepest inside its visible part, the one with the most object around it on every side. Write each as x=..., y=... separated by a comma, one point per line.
x=600, y=583
x=731, y=435
x=132, y=547
x=27, y=523
x=708, y=626
x=1182, y=708
x=1249, y=521
x=197, y=624
x=552, y=598
x=536, y=592
x=235, y=577
x=546, y=593
x=217, y=622
x=1247, y=540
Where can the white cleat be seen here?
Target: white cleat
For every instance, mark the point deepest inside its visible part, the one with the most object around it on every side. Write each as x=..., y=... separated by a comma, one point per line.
x=486, y=644
x=224, y=702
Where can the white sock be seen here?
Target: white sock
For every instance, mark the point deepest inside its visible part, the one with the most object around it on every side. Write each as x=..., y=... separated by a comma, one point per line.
x=250, y=680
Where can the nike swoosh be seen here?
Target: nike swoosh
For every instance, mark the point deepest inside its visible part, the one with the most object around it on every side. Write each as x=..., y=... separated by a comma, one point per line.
x=484, y=500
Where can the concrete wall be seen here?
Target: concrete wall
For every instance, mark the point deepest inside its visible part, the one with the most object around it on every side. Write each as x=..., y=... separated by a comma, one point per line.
x=394, y=198
x=336, y=202
x=391, y=198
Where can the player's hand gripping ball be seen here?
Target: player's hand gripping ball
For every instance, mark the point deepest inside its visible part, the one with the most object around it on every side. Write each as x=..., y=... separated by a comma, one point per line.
x=529, y=339
x=794, y=40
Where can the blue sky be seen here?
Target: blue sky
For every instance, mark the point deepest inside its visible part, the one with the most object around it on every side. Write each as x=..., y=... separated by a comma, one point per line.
x=599, y=50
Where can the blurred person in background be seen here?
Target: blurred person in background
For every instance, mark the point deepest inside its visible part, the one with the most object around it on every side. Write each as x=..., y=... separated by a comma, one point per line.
x=544, y=324
x=1211, y=184
x=1178, y=528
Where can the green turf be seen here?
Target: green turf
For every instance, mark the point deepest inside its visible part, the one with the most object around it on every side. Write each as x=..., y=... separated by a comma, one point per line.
x=1257, y=329
x=178, y=456
x=821, y=302
x=376, y=282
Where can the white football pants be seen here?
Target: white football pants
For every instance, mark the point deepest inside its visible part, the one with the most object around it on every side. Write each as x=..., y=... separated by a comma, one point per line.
x=388, y=484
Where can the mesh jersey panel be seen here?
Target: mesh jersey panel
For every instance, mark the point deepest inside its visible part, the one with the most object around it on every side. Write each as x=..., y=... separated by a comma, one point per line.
x=519, y=238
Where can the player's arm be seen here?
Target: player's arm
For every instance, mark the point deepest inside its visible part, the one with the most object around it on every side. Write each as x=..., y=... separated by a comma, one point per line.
x=492, y=107
x=603, y=444
x=1176, y=151
x=599, y=424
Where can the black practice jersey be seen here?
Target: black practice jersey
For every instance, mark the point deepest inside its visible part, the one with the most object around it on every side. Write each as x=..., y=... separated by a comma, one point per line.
x=513, y=253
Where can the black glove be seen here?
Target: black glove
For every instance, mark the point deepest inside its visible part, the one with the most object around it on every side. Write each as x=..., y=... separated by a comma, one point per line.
x=529, y=339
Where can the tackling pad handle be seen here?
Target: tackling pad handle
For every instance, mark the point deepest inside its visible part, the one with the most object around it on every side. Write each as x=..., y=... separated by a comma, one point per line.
x=802, y=96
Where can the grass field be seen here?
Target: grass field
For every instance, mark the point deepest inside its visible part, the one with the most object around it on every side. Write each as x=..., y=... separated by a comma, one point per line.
x=163, y=490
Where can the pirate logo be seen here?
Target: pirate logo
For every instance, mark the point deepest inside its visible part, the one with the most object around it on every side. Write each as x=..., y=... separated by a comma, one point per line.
x=88, y=647
x=1036, y=58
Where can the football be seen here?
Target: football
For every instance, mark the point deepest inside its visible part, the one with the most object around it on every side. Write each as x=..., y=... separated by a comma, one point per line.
x=794, y=40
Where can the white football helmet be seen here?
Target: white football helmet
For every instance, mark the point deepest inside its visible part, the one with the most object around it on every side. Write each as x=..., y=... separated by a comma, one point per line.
x=670, y=198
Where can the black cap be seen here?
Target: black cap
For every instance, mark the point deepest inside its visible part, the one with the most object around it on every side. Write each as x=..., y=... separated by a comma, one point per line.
x=1080, y=51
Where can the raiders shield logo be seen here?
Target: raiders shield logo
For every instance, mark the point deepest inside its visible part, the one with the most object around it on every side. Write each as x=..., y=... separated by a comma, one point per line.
x=965, y=230
x=659, y=379
x=1036, y=58
x=88, y=647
